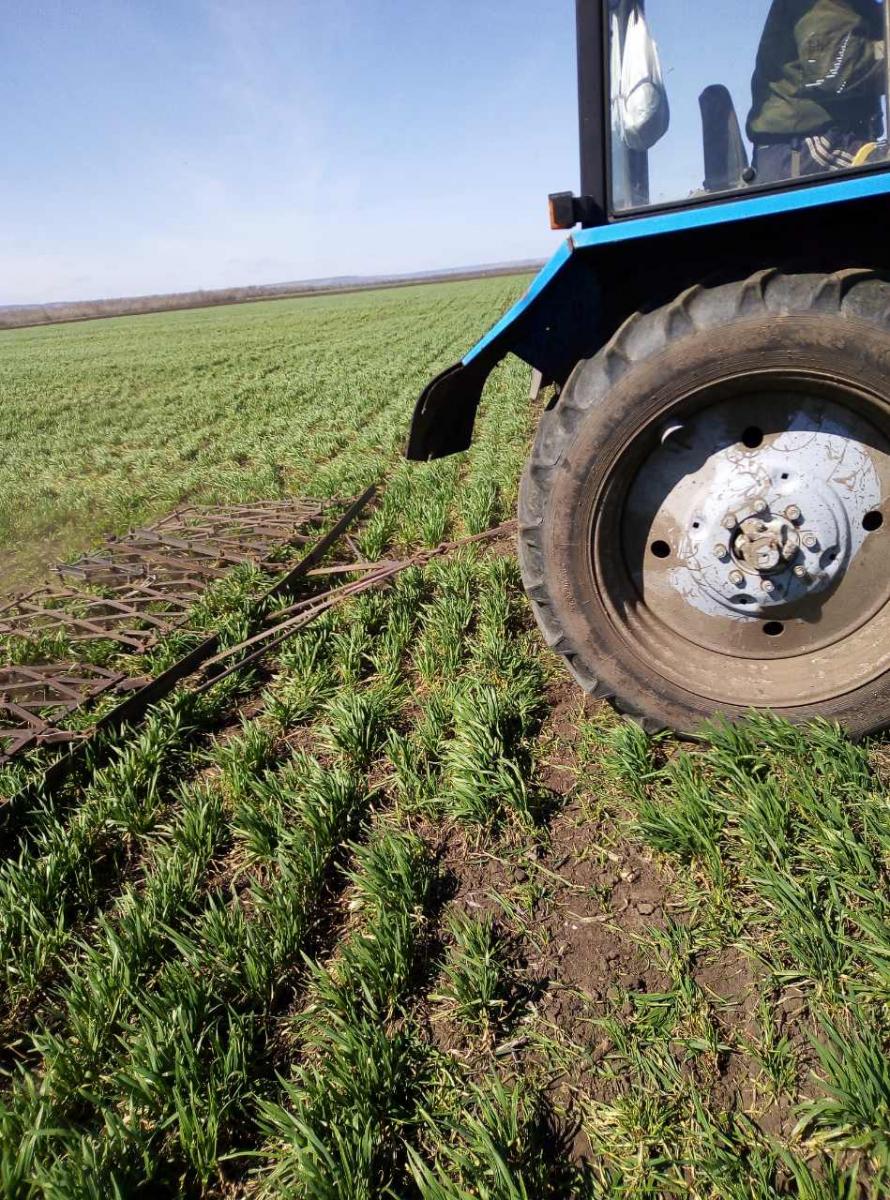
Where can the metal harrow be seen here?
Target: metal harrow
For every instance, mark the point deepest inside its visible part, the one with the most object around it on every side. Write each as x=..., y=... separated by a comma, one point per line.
x=131, y=592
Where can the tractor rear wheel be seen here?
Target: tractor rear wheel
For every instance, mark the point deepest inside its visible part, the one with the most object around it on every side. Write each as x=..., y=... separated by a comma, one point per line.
x=702, y=520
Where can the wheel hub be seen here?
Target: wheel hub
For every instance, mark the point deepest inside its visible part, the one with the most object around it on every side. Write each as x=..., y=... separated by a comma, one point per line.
x=765, y=544
x=769, y=551
x=749, y=534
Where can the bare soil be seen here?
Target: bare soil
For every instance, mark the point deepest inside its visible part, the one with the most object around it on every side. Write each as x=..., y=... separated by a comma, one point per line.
x=588, y=894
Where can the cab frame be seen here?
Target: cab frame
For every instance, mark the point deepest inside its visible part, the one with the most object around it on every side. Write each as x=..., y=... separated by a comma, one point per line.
x=592, y=206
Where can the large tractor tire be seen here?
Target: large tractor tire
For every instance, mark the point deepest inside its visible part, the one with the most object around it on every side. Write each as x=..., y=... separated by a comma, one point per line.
x=702, y=520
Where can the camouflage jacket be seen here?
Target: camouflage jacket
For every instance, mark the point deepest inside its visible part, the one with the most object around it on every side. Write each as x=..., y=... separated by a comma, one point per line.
x=819, y=64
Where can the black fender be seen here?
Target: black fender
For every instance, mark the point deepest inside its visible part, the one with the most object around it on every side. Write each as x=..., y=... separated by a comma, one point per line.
x=550, y=327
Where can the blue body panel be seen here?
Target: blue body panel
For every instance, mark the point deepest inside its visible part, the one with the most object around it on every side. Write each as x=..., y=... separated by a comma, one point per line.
x=681, y=220
x=547, y=272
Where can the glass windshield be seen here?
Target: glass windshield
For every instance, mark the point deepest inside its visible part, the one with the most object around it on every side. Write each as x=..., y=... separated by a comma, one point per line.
x=708, y=98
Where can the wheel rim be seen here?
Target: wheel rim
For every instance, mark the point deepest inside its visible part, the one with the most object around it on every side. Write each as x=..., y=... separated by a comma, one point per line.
x=750, y=566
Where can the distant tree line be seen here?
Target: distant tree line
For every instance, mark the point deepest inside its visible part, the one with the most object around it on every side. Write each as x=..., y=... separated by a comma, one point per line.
x=18, y=316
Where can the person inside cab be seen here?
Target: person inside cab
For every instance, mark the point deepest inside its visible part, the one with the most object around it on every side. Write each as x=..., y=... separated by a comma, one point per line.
x=817, y=87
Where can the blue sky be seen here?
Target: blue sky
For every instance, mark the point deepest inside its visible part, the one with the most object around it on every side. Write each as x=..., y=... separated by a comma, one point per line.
x=163, y=145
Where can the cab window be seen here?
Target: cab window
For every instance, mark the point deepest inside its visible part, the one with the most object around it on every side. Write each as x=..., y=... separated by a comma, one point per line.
x=711, y=98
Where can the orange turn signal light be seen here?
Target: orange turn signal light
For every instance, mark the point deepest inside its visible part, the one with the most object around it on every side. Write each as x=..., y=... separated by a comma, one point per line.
x=562, y=210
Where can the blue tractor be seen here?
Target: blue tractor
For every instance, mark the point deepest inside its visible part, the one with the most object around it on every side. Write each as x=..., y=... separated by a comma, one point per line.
x=702, y=518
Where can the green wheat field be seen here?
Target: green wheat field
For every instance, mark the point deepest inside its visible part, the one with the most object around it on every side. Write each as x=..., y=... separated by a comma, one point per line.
x=401, y=914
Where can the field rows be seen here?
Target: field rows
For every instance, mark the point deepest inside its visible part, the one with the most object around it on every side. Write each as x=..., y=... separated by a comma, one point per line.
x=112, y=423
x=402, y=914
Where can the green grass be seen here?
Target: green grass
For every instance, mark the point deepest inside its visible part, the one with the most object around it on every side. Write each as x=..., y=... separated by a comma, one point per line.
x=369, y=922
x=476, y=972
x=110, y=423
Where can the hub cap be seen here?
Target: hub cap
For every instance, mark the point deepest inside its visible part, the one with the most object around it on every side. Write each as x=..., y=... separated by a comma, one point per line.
x=751, y=541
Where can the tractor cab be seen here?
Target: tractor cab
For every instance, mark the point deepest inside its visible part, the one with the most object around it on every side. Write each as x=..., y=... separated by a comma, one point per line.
x=702, y=517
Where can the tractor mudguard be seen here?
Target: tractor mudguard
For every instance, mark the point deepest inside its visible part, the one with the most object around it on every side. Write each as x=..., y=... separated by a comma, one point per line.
x=550, y=327
x=601, y=275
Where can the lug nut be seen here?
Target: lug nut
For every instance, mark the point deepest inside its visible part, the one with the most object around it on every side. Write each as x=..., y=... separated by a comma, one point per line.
x=792, y=512
x=721, y=551
x=768, y=585
x=760, y=506
x=800, y=571
x=736, y=578
x=729, y=521
x=810, y=541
